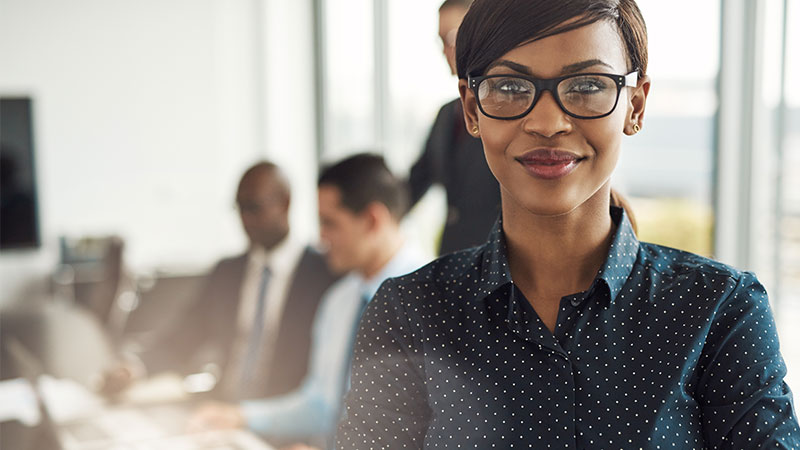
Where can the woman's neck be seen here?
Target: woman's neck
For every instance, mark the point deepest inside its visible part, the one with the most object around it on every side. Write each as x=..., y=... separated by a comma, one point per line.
x=550, y=257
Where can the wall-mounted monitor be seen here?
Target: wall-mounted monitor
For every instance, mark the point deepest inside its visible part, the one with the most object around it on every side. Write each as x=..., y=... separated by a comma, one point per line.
x=19, y=216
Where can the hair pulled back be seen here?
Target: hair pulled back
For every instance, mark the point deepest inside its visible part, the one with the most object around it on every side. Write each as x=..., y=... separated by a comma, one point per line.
x=492, y=28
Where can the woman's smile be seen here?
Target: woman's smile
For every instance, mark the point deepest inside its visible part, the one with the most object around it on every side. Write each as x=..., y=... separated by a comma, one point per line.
x=549, y=164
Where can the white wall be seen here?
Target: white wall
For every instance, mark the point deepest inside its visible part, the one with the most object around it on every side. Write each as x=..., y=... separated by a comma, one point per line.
x=147, y=112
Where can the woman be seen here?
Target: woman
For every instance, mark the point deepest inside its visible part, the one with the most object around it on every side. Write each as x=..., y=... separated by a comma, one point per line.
x=563, y=330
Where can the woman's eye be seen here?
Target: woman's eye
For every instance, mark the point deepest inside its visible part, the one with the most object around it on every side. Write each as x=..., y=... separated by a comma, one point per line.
x=586, y=86
x=512, y=87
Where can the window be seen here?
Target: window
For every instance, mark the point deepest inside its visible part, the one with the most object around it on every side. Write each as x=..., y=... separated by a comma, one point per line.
x=788, y=199
x=667, y=169
x=370, y=48
x=349, y=79
x=782, y=97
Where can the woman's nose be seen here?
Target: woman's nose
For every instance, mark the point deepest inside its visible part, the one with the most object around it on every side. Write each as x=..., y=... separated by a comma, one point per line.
x=547, y=118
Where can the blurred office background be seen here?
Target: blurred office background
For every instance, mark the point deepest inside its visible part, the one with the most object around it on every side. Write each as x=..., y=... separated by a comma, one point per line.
x=144, y=114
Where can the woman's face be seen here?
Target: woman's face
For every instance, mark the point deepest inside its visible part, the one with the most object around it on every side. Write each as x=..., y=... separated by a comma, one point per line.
x=548, y=162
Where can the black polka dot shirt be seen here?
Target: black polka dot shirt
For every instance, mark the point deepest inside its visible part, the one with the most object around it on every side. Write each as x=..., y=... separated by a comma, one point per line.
x=665, y=350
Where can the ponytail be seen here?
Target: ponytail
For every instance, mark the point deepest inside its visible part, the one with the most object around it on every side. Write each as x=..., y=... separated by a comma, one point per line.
x=618, y=199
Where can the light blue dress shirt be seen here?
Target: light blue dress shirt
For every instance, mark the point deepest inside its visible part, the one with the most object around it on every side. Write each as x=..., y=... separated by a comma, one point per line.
x=313, y=409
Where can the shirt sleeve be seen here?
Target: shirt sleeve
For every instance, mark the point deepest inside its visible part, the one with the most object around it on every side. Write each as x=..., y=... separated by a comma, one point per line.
x=302, y=414
x=427, y=170
x=745, y=402
x=386, y=406
x=312, y=410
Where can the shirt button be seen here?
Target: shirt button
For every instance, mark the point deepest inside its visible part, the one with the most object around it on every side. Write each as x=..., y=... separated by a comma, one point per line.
x=575, y=302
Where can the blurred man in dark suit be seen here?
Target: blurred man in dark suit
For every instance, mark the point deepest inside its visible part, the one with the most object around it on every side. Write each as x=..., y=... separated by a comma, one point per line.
x=251, y=323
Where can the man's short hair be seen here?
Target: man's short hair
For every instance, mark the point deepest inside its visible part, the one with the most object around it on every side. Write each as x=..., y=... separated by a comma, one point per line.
x=364, y=178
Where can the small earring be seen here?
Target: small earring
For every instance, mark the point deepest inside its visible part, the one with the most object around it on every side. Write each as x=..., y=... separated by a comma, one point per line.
x=475, y=129
x=636, y=128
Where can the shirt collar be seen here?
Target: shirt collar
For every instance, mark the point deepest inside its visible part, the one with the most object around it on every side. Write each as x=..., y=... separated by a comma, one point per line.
x=407, y=259
x=275, y=258
x=615, y=271
x=494, y=266
x=621, y=255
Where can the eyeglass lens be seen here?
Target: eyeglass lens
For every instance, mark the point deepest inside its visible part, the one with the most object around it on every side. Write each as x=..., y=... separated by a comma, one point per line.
x=581, y=95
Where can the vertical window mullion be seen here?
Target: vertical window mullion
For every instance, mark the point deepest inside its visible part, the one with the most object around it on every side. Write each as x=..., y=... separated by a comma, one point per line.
x=735, y=131
x=381, y=51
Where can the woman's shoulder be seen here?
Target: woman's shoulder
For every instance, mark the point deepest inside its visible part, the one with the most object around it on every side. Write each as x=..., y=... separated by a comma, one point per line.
x=671, y=263
x=445, y=270
x=668, y=259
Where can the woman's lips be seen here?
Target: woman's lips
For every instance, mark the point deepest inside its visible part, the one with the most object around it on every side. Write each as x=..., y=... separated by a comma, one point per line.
x=549, y=164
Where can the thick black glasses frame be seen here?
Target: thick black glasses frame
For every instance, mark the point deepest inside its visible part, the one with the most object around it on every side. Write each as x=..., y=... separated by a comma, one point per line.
x=551, y=84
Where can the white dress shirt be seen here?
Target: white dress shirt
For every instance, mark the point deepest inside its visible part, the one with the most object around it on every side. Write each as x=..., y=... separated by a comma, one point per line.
x=282, y=261
x=313, y=408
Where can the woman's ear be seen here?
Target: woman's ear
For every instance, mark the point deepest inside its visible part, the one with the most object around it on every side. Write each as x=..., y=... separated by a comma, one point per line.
x=638, y=101
x=470, y=106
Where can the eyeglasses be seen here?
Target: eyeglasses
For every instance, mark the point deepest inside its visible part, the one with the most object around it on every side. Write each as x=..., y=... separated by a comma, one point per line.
x=583, y=95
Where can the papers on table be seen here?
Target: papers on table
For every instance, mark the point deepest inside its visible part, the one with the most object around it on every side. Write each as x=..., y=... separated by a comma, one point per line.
x=18, y=402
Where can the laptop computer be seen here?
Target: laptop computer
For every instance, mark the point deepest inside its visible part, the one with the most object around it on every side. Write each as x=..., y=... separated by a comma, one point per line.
x=151, y=427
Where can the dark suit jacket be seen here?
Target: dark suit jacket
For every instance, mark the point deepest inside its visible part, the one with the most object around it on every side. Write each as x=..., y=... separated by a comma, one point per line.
x=455, y=159
x=206, y=333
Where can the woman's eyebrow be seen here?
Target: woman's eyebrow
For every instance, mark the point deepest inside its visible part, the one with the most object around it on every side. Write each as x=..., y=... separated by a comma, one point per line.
x=577, y=67
x=511, y=65
x=568, y=69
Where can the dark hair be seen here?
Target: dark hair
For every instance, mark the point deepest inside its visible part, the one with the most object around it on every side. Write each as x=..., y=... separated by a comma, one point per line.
x=617, y=199
x=363, y=179
x=492, y=28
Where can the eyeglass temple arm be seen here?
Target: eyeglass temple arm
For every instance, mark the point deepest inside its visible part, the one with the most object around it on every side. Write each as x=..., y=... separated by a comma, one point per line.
x=632, y=79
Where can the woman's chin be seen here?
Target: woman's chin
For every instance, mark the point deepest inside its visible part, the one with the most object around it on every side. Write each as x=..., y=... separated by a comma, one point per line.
x=554, y=203
x=546, y=209
x=554, y=211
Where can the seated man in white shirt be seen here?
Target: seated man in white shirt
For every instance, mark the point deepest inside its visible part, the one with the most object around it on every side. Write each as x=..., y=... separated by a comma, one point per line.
x=360, y=207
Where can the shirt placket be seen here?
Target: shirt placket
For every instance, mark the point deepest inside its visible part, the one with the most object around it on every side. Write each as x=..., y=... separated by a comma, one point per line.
x=523, y=321
x=567, y=333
